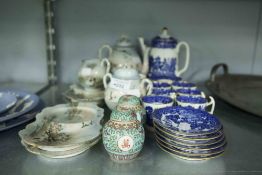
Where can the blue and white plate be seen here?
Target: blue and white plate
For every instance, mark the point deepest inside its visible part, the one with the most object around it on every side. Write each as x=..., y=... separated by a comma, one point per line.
x=6, y=101
x=21, y=119
x=181, y=146
x=25, y=103
x=189, y=142
x=196, y=137
x=187, y=120
x=216, y=150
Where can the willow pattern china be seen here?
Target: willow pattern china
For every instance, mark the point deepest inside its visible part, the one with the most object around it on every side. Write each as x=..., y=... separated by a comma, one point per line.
x=162, y=56
x=123, y=134
x=133, y=104
x=151, y=103
x=189, y=147
x=123, y=55
x=188, y=157
x=196, y=102
x=160, y=85
x=115, y=88
x=183, y=85
x=169, y=80
x=190, y=92
x=177, y=135
x=187, y=120
x=190, y=141
x=25, y=103
x=92, y=71
x=213, y=150
x=21, y=119
x=61, y=127
x=165, y=92
x=7, y=101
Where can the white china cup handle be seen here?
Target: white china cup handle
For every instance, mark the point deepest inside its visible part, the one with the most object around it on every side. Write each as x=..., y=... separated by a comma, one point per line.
x=106, y=63
x=107, y=77
x=212, y=102
x=146, y=86
x=101, y=49
x=203, y=94
x=182, y=43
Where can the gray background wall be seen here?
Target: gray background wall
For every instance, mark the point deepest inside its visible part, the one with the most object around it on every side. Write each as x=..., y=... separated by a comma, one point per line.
x=217, y=31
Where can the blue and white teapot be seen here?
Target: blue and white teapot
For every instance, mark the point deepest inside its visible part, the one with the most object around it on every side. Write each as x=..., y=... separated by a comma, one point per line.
x=162, y=57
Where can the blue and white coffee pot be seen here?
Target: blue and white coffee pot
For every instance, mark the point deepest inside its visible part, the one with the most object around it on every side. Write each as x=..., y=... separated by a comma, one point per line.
x=161, y=59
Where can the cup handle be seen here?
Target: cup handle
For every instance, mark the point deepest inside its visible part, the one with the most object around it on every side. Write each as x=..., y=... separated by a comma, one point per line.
x=182, y=43
x=106, y=63
x=203, y=94
x=212, y=103
x=100, y=51
x=146, y=86
x=107, y=77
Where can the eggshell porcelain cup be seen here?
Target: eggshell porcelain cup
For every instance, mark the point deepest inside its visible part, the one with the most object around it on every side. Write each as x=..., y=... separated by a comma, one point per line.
x=196, y=102
x=153, y=102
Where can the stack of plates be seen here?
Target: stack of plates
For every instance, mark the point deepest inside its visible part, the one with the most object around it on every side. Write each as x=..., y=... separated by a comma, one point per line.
x=17, y=107
x=189, y=133
x=64, y=130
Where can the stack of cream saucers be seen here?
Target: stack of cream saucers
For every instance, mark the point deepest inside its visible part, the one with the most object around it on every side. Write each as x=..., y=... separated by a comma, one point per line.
x=189, y=133
x=64, y=130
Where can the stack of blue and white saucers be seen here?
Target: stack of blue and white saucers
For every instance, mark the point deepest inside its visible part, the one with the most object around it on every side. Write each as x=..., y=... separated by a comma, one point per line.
x=189, y=133
x=17, y=107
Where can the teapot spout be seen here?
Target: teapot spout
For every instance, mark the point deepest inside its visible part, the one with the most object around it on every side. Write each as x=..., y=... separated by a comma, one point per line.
x=142, y=44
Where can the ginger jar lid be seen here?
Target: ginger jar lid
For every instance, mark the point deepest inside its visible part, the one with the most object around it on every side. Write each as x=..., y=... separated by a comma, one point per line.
x=164, y=40
x=129, y=102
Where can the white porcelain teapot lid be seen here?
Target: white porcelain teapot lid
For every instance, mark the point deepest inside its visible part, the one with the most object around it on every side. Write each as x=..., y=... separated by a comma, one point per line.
x=124, y=41
x=126, y=74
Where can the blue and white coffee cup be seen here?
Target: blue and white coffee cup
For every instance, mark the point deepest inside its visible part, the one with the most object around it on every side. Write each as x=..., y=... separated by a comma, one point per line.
x=153, y=102
x=196, y=102
x=183, y=85
x=165, y=92
x=190, y=92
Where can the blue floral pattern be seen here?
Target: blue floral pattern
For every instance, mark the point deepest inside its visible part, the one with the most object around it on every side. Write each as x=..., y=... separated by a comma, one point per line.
x=164, y=68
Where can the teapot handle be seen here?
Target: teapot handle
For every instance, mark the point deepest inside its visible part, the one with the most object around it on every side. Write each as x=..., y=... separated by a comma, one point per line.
x=146, y=86
x=106, y=63
x=179, y=72
x=212, y=103
x=107, y=77
x=101, y=49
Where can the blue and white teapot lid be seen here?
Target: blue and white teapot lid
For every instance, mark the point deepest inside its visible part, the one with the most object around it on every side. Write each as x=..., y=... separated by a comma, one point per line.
x=164, y=40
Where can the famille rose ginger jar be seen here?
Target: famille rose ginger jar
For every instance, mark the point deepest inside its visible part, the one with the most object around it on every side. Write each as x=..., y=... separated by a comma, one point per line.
x=123, y=134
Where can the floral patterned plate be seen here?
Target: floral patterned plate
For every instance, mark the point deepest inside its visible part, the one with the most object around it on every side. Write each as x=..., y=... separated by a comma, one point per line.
x=59, y=154
x=63, y=126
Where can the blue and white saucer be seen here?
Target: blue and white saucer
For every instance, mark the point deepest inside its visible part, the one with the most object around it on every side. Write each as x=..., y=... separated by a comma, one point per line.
x=187, y=120
x=25, y=103
x=7, y=101
x=21, y=119
x=188, y=141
